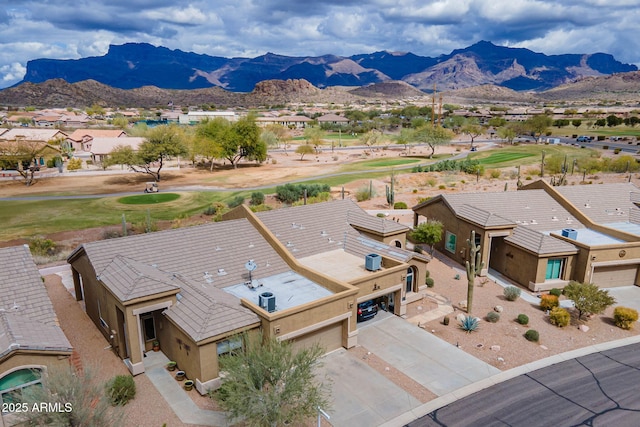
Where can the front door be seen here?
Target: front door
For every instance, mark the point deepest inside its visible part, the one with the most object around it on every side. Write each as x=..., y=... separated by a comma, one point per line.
x=148, y=331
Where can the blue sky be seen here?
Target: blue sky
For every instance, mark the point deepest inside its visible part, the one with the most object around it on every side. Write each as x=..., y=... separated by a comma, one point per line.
x=71, y=29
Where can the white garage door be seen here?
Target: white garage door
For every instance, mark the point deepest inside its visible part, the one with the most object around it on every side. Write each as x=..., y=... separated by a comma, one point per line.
x=615, y=275
x=329, y=338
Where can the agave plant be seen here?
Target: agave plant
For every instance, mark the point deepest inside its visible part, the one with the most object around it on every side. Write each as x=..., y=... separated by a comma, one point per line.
x=469, y=324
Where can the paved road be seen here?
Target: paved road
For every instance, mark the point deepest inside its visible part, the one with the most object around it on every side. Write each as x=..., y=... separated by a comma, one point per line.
x=600, y=389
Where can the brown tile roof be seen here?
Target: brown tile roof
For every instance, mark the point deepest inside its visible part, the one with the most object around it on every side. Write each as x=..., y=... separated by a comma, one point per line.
x=129, y=279
x=79, y=134
x=603, y=203
x=198, y=261
x=483, y=218
x=539, y=243
x=533, y=208
x=205, y=314
x=27, y=318
x=33, y=134
x=320, y=227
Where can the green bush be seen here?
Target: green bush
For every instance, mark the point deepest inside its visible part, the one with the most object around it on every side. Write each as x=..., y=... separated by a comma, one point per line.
x=469, y=324
x=511, y=293
x=555, y=291
x=257, y=198
x=548, y=302
x=289, y=193
x=625, y=317
x=559, y=317
x=41, y=246
x=532, y=335
x=215, y=208
x=74, y=164
x=121, y=389
x=493, y=316
x=430, y=282
x=399, y=205
x=523, y=319
x=235, y=202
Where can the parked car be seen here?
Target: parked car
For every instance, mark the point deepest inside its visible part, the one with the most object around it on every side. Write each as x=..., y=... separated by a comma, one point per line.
x=367, y=310
x=583, y=138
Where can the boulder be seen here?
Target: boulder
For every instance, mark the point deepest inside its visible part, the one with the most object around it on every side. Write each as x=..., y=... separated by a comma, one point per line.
x=583, y=328
x=498, y=309
x=495, y=348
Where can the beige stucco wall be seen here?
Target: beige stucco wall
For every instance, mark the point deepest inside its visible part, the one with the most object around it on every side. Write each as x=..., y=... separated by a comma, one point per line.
x=31, y=359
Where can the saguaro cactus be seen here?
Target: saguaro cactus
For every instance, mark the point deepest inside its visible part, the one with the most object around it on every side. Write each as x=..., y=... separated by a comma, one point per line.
x=474, y=266
x=391, y=194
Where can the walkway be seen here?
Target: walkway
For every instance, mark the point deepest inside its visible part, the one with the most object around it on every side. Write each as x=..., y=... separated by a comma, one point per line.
x=177, y=398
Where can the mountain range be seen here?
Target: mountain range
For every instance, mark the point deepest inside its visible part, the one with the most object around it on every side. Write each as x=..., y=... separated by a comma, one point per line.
x=136, y=65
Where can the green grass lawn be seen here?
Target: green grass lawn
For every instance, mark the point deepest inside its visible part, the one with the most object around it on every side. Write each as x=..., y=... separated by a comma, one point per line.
x=28, y=218
x=513, y=156
x=149, y=199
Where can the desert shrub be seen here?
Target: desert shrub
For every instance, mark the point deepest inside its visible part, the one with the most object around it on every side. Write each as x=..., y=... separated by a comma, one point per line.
x=511, y=293
x=260, y=208
x=548, y=302
x=555, y=291
x=365, y=193
x=493, y=316
x=559, y=317
x=625, y=317
x=399, y=205
x=121, y=389
x=257, y=198
x=494, y=173
x=321, y=197
x=380, y=215
x=215, y=208
x=74, y=164
x=430, y=282
x=532, y=335
x=41, y=246
x=235, y=202
x=469, y=324
x=442, y=187
x=523, y=319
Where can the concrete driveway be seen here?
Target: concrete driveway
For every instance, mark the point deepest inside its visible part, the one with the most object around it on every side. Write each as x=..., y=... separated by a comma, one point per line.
x=363, y=397
x=628, y=296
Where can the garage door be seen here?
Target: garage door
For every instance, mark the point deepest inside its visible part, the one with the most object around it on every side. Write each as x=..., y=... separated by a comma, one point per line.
x=329, y=338
x=615, y=275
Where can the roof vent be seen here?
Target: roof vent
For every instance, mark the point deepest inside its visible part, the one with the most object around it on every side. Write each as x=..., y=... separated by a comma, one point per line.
x=373, y=262
x=289, y=243
x=534, y=222
x=221, y=272
x=554, y=218
x=324, y=233
x=208, y=277
x=570, y=233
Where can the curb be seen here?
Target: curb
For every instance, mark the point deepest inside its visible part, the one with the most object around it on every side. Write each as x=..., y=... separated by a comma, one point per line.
x=446, y=399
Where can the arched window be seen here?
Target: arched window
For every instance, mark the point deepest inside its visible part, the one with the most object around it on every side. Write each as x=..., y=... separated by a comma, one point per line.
x=12, y=385
x=398, y=244
x=410, y=281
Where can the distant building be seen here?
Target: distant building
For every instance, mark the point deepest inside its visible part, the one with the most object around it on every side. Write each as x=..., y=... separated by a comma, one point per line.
x=542, y=237
x=193, y=117
x=82, y=139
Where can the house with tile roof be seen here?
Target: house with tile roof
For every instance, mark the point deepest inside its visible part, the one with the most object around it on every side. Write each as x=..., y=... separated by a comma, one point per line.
x=33, y=134
x=541, y=236
x=101, y=147
x=295, y=273
x=31, y=341
x=82, y=139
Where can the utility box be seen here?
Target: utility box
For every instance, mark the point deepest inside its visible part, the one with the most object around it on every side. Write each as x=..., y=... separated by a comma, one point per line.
x=373, y=262
x=570, y=233
x=267, y=301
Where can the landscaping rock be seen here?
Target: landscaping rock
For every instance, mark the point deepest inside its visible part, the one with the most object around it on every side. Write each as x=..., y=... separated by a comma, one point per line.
x=460, y=317
x=463, y=304
x=495, y=348
x=583, y=328
x=498, y=309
